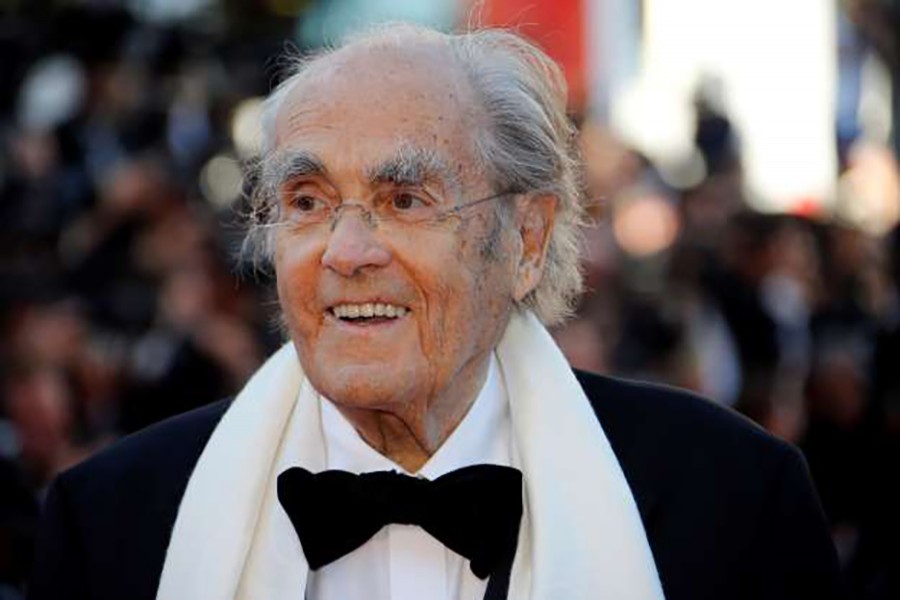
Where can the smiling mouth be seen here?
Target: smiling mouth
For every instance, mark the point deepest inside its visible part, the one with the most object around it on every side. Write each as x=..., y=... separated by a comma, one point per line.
x=368, y=313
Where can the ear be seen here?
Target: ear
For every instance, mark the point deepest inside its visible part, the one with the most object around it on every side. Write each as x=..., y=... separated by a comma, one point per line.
x=534, y=224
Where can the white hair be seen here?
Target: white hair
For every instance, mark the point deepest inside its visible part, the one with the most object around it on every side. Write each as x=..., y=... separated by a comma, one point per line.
x=528, y=145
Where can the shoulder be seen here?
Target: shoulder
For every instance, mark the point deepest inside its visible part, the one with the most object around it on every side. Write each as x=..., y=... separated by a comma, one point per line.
x=729, y=510
x=106, y=522
x=662, y=416
x=667, y=438
x=159, y=457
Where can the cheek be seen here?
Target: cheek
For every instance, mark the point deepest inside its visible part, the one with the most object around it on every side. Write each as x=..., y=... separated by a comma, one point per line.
x=296, y=272
x=491, y=267
x=466, y=296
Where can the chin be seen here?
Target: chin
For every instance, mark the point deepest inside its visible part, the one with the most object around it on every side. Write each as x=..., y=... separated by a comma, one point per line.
x=376, y=386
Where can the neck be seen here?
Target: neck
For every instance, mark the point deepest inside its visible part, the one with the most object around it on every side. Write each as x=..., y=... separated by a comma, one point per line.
x=411, y=436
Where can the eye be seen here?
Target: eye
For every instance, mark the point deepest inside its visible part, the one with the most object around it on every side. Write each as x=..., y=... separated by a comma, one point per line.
x=305, y=198
x=307, y=203
x=403, y=201
x=306, y=206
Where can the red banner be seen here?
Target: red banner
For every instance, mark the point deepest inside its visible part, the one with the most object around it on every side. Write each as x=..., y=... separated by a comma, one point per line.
x=557, y=26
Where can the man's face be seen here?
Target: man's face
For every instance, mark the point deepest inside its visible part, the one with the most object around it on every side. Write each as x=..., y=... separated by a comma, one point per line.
x=366, y=125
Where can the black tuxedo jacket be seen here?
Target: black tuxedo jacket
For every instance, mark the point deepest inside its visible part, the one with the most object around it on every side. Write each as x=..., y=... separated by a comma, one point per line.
x=729, y=511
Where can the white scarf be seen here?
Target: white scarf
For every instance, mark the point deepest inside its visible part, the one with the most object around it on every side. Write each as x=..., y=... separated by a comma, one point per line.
x=581, y=536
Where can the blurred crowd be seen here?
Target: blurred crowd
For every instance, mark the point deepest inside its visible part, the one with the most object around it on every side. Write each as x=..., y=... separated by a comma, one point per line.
x=124, y=299
x=792, y=319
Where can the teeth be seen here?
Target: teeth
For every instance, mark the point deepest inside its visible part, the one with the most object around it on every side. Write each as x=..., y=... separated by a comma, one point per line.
x=368, y=309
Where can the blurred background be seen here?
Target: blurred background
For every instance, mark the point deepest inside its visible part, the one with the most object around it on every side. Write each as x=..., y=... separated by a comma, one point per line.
x=742, y=172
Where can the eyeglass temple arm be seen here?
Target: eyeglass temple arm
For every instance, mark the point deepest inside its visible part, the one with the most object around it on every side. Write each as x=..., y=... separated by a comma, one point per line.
x=461, y=207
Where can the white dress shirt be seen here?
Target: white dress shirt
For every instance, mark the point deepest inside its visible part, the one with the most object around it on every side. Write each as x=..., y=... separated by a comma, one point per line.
x=403, y=562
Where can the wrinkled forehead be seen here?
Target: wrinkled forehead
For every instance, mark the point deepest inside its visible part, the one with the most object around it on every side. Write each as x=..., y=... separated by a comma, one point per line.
x=424, y=71
x=395, y=99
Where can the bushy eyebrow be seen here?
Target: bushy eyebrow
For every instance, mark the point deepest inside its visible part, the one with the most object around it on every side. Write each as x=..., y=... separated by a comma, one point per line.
x=414, y=166
x=296, y=164
x=410, y=166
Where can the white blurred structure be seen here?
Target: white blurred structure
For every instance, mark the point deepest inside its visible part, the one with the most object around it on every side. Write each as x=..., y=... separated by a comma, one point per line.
x=53, y=92
x=246, y=128
x=776, y=62
x=168, y=11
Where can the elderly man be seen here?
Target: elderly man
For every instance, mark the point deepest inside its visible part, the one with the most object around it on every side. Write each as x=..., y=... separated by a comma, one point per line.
x=421, y=436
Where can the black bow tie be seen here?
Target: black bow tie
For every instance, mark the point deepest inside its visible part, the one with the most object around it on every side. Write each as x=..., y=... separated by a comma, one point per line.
x=474, y=511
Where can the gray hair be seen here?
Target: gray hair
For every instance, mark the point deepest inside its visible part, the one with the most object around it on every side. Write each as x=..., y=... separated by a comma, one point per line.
x=528, y=145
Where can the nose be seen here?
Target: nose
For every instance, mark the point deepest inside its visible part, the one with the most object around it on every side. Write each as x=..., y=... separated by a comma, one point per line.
x=353, y=245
